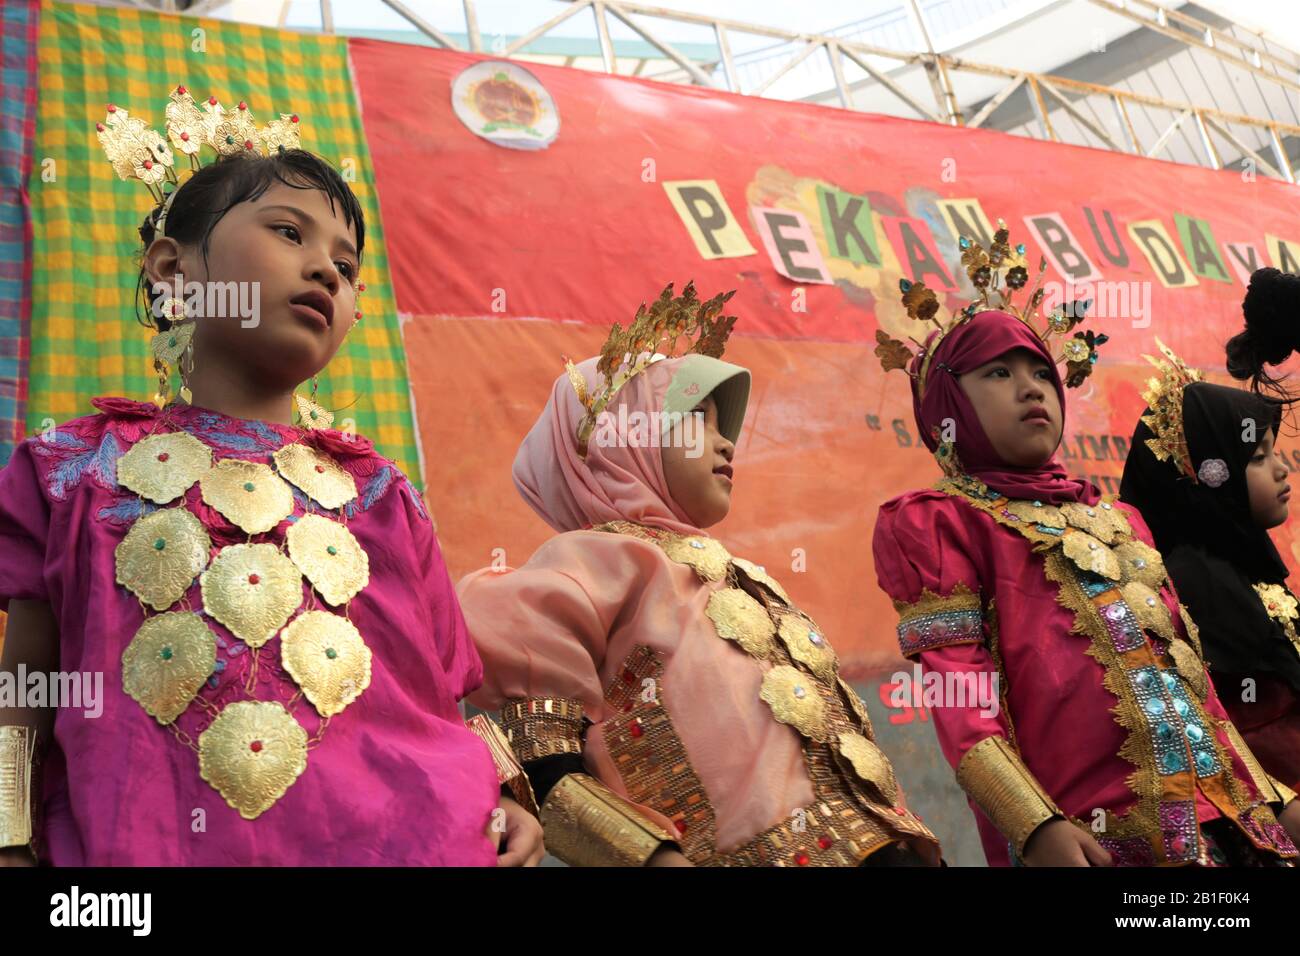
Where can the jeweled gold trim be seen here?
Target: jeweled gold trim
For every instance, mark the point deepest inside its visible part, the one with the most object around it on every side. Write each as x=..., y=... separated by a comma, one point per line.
x=330, y=556
x=705, y=555
x=316, y=474
x=738, y=617
x=161, y=555
x=539, y=727
x=327, y=657
x=509, y=770
x=247, y=493
x=1036, y=512
x=163, y=467
x=1150, y=610
x=1104, y=521
x=994, y=776
x=166, y=663
x=1263, y=782
x=19, y=799
x=253, y=589
x=251, y=754
x=587, y=824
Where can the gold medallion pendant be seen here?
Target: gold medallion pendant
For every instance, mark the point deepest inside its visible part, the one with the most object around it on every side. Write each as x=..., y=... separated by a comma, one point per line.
x=325, y=654
x=161, y=555
x=248, y=493
x=738, y=617
x=252, y=589
x=316, y=474
x=1090, y=554
x=794, y=700
x=161, y=468
x=760, y=576
x=1140, y=562
x=166, y=663
x=330, y=556
x=870, y=763
x=251, y=754
x=807, y=645
x=706, y=556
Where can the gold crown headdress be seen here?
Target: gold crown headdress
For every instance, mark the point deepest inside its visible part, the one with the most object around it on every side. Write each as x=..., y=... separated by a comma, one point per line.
x=138, y=152
x=997, y=271
x=652, y=336
x=1164, y=396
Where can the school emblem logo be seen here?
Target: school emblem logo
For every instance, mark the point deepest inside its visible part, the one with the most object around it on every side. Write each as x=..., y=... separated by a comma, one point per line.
x=506, y=105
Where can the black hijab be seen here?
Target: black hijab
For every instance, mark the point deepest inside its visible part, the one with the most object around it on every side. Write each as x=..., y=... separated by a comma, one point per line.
x=1212, y=549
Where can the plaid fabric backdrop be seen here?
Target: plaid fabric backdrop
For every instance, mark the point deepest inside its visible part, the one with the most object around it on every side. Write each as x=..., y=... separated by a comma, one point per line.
x=85, y=340
x=18, y=20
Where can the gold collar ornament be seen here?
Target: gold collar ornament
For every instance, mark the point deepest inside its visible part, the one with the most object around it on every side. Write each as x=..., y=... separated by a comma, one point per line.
x=652, y=336
x=247, y=493
x=252, y=589
x=252, y=753
x=1164, y=398
x=329, y=556
x=996, y=273
x=163, y=467
x=806, y=644
x=325, y=654
x=316, y=474
x=166, y=663
x=707, y=556
x=792, y=695
x=738, y=617
x=161, y=556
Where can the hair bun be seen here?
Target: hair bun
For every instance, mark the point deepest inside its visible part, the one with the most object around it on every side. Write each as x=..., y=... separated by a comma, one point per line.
x=1272, y=312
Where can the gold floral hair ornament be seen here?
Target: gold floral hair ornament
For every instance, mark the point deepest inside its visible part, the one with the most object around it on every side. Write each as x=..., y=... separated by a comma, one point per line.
x=138, y=152
x=997, y=273
x=653, y=335
x=1164, y=397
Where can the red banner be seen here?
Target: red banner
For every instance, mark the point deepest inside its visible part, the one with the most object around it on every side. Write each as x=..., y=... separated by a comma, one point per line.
x=507, y=257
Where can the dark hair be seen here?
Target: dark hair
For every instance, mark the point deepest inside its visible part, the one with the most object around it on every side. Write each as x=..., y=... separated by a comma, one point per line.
x=1272, y=311
x=202, y=200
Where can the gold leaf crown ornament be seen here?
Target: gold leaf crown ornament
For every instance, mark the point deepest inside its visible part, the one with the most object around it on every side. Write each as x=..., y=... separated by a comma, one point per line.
x=1164, y=397
x=652, y=336
x=996, y=273
x=138, y=152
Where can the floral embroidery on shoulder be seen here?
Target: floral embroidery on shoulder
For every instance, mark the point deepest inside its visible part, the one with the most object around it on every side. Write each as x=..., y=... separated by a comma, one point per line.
x=76, y=450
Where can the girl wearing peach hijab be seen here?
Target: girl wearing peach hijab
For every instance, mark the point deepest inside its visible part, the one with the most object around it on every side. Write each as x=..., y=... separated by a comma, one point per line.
x=671, y=704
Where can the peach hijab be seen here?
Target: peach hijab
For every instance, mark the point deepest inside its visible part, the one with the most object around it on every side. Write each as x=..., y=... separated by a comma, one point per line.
x=620, y=480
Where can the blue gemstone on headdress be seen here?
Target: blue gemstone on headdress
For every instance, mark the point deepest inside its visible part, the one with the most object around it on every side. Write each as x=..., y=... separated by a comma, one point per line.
x=904, y=284
x=964, y=242
x=1021, y=248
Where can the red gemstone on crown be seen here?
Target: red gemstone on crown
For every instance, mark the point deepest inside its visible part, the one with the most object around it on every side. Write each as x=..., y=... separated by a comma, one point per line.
x=248, y=144
x=320, y=469
x=212, y=101
x=147, y=164
x=164, y=456
x=112, y=108
x=293, y=118
x=254, y=579
x=243, y=105
x=185, y=137
x=255, y=746
x=181, y=90
x=99, y=127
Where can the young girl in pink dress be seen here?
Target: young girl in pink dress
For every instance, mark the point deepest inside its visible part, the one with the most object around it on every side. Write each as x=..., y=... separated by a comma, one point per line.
x=280, y=648
x=1110, y=746
x=671, y=703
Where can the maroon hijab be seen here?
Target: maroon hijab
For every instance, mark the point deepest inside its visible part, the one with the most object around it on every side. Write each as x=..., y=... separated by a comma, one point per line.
x=970, y=345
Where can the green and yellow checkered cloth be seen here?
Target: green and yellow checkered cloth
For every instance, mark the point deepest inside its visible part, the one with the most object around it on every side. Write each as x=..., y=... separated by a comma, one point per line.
x=85, y=337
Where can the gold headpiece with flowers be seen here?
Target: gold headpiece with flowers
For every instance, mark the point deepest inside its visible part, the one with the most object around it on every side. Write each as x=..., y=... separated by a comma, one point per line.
x=1164, y=397
x=138, y=152
x=653, y=335
x=996, y=273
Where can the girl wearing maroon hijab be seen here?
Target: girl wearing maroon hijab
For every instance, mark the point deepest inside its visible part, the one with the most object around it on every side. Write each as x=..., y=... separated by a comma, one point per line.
x=1107, y=745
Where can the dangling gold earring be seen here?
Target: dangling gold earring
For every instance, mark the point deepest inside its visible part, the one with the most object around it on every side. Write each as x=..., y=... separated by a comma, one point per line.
x=173, y=347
